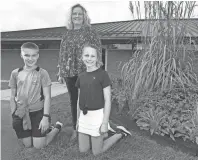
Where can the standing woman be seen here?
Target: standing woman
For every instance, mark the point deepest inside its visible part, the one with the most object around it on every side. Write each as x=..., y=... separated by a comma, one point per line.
x=78, y=32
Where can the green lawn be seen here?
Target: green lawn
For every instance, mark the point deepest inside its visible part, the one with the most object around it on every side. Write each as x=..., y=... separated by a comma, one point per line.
x=136, y=147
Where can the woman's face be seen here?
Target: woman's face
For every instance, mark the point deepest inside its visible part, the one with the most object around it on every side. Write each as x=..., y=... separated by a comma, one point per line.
x=77, y=16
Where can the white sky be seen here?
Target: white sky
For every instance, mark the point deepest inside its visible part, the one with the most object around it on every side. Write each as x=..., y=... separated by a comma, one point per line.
x=32, y=14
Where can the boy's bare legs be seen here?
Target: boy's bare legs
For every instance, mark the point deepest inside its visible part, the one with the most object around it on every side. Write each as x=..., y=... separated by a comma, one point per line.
x=84, y=142
x=41, y=142
x=27, y=142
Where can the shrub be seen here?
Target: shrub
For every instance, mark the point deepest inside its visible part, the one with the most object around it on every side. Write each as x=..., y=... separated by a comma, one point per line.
x=173, y=113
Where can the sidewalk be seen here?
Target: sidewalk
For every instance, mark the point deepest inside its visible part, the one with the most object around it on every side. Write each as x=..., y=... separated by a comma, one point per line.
x=56, y=89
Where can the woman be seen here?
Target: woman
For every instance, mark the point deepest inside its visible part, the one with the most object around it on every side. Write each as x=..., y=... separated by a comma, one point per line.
x=78, y=32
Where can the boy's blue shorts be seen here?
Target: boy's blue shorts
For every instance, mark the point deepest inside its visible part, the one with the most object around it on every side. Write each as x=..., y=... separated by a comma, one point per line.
x=35, y=118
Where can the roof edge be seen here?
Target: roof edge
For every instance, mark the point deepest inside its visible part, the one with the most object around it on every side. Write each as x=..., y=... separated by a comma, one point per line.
x=98, y=23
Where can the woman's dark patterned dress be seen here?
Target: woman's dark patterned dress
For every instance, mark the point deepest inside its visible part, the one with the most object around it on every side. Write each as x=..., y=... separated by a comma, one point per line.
x=72, y=43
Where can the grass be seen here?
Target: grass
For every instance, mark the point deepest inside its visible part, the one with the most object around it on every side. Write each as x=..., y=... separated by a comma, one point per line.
x=136, y=147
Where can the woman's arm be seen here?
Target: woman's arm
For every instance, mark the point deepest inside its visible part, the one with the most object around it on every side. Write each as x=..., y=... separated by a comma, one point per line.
x=107, y=104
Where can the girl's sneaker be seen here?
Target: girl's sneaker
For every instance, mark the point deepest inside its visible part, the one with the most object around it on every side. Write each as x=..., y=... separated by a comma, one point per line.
x=123, y=131
x=111, y=129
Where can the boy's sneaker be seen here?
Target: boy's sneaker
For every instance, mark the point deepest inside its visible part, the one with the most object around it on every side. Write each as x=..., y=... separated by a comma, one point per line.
x=123, y=131
x=59, y=125
x=49, y=129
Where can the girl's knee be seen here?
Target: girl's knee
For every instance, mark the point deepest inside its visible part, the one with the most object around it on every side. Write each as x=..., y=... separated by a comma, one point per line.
x=84, y=149
x=84, y=142
x=96, y=152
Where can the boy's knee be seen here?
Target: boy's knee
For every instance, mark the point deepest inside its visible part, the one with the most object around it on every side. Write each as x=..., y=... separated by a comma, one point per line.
x=29, y=145
x=39, y=143
x=27, y=142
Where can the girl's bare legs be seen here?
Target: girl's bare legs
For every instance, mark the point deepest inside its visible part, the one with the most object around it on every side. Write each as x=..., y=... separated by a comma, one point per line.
x=84, y=142
x=100, y=146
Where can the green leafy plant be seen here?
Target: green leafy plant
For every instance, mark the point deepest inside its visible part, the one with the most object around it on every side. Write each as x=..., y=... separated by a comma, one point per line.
x=192, y=126
x=177, y=106
x=170, y=126
x=151, y=119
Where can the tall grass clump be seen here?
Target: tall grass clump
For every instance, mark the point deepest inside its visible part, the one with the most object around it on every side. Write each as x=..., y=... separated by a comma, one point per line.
x=165, y=61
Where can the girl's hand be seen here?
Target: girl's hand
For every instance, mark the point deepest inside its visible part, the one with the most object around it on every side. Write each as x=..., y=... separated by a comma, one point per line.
x=104, y=128
x=44, y=124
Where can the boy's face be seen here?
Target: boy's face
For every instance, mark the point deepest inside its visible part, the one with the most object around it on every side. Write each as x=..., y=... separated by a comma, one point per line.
x=29, y=56
x=89, y=57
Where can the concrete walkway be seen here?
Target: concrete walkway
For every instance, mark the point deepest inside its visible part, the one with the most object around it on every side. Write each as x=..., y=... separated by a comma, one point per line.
x=56, y=89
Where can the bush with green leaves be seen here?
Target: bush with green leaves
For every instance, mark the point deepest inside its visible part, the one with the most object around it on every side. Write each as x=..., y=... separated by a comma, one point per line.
x=172, y=113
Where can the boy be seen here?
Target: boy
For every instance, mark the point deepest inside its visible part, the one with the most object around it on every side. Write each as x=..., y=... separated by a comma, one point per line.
x=30, y=100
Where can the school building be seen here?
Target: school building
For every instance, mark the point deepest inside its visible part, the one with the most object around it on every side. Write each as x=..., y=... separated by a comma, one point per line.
x=119, y=41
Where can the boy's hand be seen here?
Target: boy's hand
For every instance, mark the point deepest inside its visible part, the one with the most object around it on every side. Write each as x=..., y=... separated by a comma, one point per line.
x=104, y=128
x=44, y=124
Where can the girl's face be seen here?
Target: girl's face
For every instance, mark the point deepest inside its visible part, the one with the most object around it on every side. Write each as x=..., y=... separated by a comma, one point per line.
x=30, y=57
x=89, y=57
x=77, y=16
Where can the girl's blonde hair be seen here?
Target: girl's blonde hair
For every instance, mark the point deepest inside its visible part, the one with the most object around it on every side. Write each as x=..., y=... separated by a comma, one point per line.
x=86, y=19
x=98, y=52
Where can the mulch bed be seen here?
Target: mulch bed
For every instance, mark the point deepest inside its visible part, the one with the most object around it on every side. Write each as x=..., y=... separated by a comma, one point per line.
x=179, y=144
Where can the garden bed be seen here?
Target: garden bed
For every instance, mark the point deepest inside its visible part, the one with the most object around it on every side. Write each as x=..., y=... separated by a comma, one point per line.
x=179, y=144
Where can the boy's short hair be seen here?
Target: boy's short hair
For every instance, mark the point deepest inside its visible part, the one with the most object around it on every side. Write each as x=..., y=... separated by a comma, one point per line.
x=29, y=45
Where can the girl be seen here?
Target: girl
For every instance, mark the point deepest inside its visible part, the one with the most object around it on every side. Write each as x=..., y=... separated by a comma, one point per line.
x=94, y=105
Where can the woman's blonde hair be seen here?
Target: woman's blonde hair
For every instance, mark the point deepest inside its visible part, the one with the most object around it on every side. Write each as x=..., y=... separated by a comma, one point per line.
x=99, y=62
x=86, y=19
